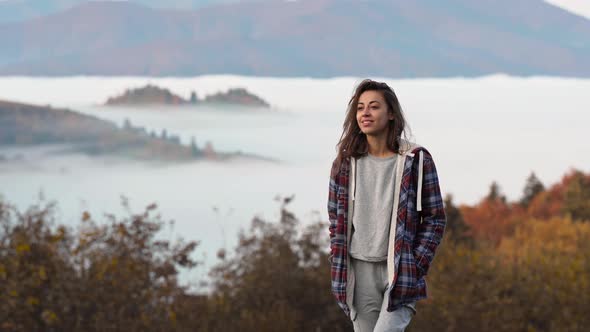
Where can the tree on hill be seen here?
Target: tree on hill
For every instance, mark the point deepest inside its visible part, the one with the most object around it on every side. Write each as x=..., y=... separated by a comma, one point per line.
x=494, y=193
x=532, y=187
x=127, y=124
x=194, y=148
x=194, y=99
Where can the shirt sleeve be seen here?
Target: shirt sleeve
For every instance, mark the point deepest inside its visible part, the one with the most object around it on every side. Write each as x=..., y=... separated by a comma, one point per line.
x=430, y=230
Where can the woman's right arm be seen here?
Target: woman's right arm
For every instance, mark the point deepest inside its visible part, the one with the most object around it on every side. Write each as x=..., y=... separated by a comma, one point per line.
x=333, y=206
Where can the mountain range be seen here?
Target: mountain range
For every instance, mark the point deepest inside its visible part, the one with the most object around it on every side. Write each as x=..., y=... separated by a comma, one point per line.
x=19, y=10
x=312, y=38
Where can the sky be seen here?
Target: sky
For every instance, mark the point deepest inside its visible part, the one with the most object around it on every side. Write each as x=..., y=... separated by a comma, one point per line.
x=580, y=7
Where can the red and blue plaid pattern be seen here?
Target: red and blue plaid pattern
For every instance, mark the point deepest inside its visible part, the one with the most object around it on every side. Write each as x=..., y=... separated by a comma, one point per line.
x=418, y=233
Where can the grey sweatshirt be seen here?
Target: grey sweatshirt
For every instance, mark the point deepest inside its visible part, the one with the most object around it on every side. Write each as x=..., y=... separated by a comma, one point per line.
x=373, y=207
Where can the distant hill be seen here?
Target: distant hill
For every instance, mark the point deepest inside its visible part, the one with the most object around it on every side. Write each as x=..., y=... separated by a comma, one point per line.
x=236, y=96
x=146, y=95
x=310, y=38
x=29, y=125
x=153, y=95
x=19, y=10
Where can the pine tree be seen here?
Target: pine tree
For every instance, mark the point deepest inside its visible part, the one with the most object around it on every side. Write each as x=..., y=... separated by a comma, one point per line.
x=456, y=225
x=532, y=187
x=495, y=193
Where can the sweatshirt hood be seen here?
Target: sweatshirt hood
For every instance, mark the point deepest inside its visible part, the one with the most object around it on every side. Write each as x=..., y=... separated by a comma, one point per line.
x=408, y=148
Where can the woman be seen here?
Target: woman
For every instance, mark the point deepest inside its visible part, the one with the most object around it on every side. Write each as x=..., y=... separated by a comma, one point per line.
x=386, y=214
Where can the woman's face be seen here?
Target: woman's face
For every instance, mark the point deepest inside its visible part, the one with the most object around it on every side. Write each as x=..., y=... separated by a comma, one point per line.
x=372, y=114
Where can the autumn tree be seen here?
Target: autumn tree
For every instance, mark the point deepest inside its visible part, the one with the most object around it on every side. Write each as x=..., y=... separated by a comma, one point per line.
x=576, y=200
x=519, y=268
x=535, y=280
x=109, y=276
x=547, y=272
x=277, y=280
x=490, y=220
x=571, y=196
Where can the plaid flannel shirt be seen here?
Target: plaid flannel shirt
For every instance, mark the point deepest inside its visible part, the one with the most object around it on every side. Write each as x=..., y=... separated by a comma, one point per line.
x=418, y=233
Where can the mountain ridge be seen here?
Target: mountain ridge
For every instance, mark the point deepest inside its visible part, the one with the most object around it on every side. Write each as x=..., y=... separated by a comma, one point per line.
x=304, y=38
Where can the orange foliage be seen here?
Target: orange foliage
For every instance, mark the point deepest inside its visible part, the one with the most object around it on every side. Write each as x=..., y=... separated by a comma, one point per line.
x=547, y=203
x=491, y=220
x=556, y=200
x=550, y=202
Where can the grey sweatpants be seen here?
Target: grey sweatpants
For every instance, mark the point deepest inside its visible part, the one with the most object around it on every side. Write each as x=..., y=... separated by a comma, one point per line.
x=371, y=291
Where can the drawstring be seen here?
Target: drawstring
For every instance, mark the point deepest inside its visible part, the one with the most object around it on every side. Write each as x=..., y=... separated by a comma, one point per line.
x=419, y=198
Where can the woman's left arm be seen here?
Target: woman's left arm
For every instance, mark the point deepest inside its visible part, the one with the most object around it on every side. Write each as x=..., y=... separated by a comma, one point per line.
x=430, y=230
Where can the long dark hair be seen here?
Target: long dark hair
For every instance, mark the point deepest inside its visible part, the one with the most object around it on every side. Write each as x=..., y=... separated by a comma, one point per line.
x=353, y=143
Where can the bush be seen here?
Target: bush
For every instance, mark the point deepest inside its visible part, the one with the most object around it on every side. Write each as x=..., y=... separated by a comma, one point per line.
x=112, y=276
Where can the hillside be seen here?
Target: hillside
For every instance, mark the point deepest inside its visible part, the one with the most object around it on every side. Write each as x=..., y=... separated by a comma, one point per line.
x=318, y=38
x=29, y=125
